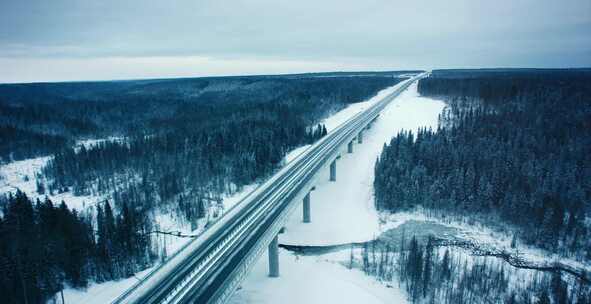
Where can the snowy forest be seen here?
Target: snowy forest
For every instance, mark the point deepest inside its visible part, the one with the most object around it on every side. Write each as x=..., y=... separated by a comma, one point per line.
x=430, y=272
x=511, y=152
x=45, y=247
x=179, y=145
x=41, y=118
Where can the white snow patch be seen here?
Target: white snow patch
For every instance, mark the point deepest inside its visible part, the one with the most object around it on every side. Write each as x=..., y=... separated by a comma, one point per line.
x=89, y=143
x=311, y=280
x=100, y=293
x=21, y=175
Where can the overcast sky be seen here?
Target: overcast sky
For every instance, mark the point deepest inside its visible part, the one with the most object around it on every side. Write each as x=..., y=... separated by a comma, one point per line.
x=43, y=40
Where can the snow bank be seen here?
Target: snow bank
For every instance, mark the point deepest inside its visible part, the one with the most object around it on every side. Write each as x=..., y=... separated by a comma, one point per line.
x=100, y=293
x=295, y=153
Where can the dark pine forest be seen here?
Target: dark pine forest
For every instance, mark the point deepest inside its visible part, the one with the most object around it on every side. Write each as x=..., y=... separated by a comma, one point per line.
x=513, y=147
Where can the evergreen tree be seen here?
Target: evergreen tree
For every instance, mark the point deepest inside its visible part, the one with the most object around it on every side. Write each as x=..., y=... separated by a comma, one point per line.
x=543, y=298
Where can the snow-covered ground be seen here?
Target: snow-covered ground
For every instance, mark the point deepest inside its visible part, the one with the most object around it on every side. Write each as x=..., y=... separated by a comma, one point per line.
x=291, y=155
x=314, y=280
x=342, y=212
x=101, y=293
x=22, y=175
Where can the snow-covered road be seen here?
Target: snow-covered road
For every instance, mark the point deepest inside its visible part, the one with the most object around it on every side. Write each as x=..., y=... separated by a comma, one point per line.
x=342, y=212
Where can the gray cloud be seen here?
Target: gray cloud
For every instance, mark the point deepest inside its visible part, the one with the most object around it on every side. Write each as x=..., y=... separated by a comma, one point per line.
x=349, y=34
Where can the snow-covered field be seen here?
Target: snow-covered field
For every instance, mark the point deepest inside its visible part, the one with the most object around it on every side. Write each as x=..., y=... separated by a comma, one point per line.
x=342, y=212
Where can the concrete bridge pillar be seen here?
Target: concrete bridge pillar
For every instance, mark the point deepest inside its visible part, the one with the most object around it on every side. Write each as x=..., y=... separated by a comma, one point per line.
x=274, y=257
x=333, y=171
x=360, y=137
x=350, y=147
x=307, y=218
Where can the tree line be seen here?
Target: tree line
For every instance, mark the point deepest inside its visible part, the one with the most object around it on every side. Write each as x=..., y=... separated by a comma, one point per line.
x=432, y=274
x=204, y=150
x=39, y=119
x=45, y=247
x=511, y=148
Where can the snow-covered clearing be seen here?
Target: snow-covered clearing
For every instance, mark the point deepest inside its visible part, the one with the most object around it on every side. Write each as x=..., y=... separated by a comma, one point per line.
x=342, y=212
x=21, y=175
